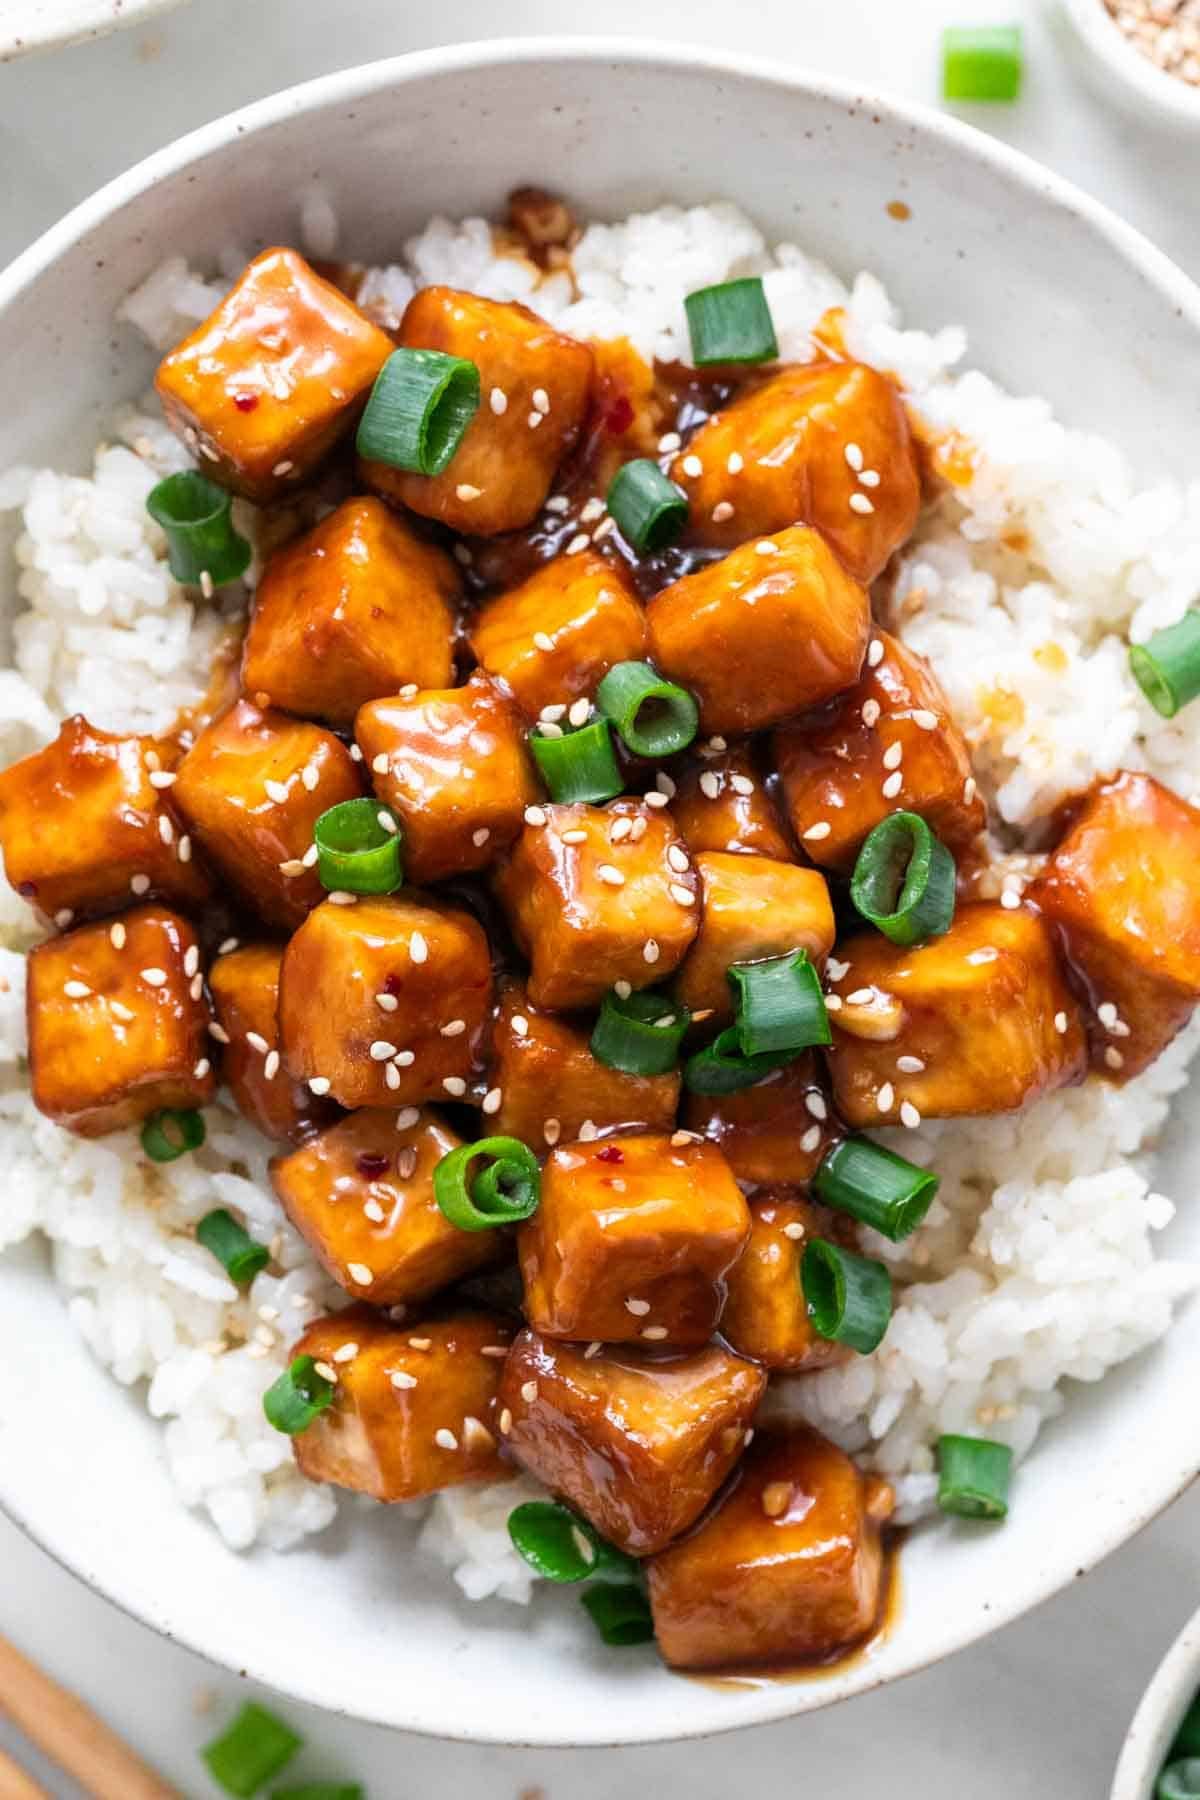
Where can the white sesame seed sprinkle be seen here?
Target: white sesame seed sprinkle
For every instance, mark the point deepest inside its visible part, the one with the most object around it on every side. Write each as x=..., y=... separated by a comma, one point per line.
x=520, y=1025
x=291, y=866
x=1010, y=900
x=418, y=949
x=549, y=729
x=721, y=511
x=765, y=547
x=854, y=457
x=1113, y=1058
x=815, y=1103
x=893, y=756
x=480, y=836
x=76, y=990
x=454, y=1086
x=969, y=789
x=492, y=1101
x=1107, y=1014
x=270, y=1067
x=154, y=978
x=655, y=798
x=811, y=1139
x=607, y=873
x=692, y=466
x=821, y=829
x=277, y=791
x=678, y=859
x=359, y=1274
x=535, y=816
x=741, y=784
x=444, y=1439
x=227, y=946
x=909, y=1115
x=574, y=837
x=669, y=441
x=681, y=895
x=541, y=400
x=735, y=463
x=320, y=1084
x=498, y=401
x=166, y=830
x=621, y=829
x=910, y=1065
x=551, y=1131
x=710, y=785
x=639, y=1308
x=654, y=1333
x=579, y=542
x=400, y=1378
x=122, y=1012
x=191, y=959
x=387, y=1002
x=886, y=1097
x=860, y=504
x=381, y=1050
x=63, y=917
x=386, y=821
x=218, y=1032
x=557, y=503
x=925, y=720
x=466, y=491
x=505, y=1422
x=892, y=785
x=407, y=1117
x=578, y=714
x=870, y=712
x=162, y=778
x=257, y=1042
x=453, y=1028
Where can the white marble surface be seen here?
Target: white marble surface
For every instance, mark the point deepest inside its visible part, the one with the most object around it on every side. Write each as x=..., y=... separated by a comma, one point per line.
x=1041, y=1709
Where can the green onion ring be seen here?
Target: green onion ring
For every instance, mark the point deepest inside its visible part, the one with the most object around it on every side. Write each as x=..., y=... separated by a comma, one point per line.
x=621, y=1614
x=562, y=1547
x=356, y=853
x=973, y=1477
x=293, y=1401
x=849, y=1297
x=722, y=1067
x=875, y=1186
x=255, y=1747
x=1167, y=666
x=640, y=1034
x=504, y=1193
x=649, y=510
x=904, y=880
x=731, y=323
x=419, y=410
x=780, y=1005
x=654, y=717
x=237, y=1252
x=196, y=515
x=170, y=1133
x=580, y=765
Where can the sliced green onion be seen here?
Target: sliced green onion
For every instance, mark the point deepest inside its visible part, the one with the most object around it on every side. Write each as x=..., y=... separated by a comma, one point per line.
x=1187, y=1738
x=1180, y=1780
x=505, y=1192
x=356, y=852
x=904, y=880
x=1167, y=666
x=196, y=515
x=875, y=1186
x=255, y=1747
x=322, y=1790
x=563, y=1547
x=640, y=1034
x=654, y=717
x=621, y=1614
x=973, y=1477
x=981, y=62
x=293, y=1401
x=731, y=323
x=169, y=1134
x=580, y=765
x=650, y=511
x=722, y=1067
x=419, y=410
x=849, y=1297
x=780, y=1005
x=232, y=1245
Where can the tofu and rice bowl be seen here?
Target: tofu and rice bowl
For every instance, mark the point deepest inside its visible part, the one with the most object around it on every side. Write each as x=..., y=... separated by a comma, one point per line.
x=604, y=912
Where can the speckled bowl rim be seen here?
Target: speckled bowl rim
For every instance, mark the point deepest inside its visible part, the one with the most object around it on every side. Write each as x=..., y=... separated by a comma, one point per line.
x=1159, y=1715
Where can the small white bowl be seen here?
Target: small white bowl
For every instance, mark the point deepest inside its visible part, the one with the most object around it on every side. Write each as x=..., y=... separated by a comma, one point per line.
x=1124, y=74
x=27, y=25
x=1159, y=1716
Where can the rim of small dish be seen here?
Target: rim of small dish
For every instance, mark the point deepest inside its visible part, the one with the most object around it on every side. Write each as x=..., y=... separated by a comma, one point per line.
x=1158, y=1716
x=1145, y=81
x=769, y=1703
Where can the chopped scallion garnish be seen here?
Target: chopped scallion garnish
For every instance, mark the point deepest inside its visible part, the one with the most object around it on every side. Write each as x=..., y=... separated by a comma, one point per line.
x=654, y=717
x=196, y=515
x=621, y=1614
x=356, y=852
x=419, y=410
x=1180, y=1780
x=1167, y=666
x=723, y=1067
x=561, y=1546
x=875, y=1186
x=293, y=1401
x=904, y=880
x=580, y=765
x=169, y=1134
x=780, y=1005
x=640, y=1034
x=981, y=62
x=255, y=1747
x=849, y=1297
x=650, y=511
x=506, y=1191
x=237, y=1252
x=731, y=323
x=973, y=1477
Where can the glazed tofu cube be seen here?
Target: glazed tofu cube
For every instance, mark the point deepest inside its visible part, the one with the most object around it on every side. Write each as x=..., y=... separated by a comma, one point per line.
x=357, y=608
x=551, y=639
x=827, y=443
x=890, y=744
x=270, y=381
x=535, y=385
x=415, y=1405
x=548, y=1085
x=637, y=1442
x=251, y=789
x=85, y=825
x=385, y=1002
x=773, y=628
x=632, y=1242
x=361, y=1195
x=452, y=764
x=244, y=984
x=118, y=1022
x=766, y=1314
x=777, y=1130
x=1123, y=890
x=789, y=1567
x=978, y=1021
x=722, y=803
x=592, y=902
x=753, y=909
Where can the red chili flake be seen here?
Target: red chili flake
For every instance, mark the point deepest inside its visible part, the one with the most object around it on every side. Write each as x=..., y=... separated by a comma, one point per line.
x=371, y=1165
x=610, y=1153
x=245, y=402
x=619, y=416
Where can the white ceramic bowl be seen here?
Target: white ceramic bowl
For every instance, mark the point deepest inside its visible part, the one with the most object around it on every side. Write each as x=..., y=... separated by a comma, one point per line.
x=1159, y=1716
x=1062, y=300
x=27, y=25
x=1123, y=74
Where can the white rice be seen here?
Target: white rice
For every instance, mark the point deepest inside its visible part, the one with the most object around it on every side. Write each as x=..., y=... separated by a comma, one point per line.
x=1036, y=1265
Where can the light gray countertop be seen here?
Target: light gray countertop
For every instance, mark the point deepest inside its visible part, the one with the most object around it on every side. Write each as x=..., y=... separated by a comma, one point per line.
x=1041, y=1709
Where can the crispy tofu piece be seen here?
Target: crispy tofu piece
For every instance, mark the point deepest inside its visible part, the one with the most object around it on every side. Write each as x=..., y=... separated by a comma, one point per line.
x=632, y=1242
x=535, y=386
x=118, y=1022
x=83, y=826
x=357, y=608
x=1123, y=890
x=244, y=984
x=266, y=386
x=415, y=1405
x=753, y=909
x=551, y=639
x=777, y=1130
x=766, y=1314
x=342, y=971
x=251, y=788
x=890, y=744
x=605, y=908
x=985, y=1011
x=550, y=1086
x=637, y=1442
x=825, y=442
x=452, y=764
x=721, y=803
x=774, y=627
x=788, y=1568
x=361, y=1195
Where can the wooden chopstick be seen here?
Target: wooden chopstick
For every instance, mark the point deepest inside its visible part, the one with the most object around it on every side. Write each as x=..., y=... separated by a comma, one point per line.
x=15, y=1784
x=71, y=1735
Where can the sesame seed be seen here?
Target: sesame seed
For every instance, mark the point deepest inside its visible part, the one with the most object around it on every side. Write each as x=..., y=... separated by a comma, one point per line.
x=680, y=1138
x=926, y=720
x=795, y=1231
x=270, y=1065
x=453, y=1028
x=277, y=791
x=191, y=960
x=534, y=420
x=893, y=756
x=418, y=949
x=736, y=462
x=227, y=946
x=386, y=1002
x=765, y=547
x=620, y=830
x=551, y=1131
x=257, y=1042
x=1113, y=1058
x=498, y=401
x=886, y=1097
x=154, y=978
x=681, y=895
x=373, y=1211
x=465, y=491
x=183, y=849
x=692, y=466
x=861, y=996
x=541, y=400
x=292, y=866
x=775, y=1498
x=207, y=587
x=1010, y=900
x=909, y=1115
x=380, y=764
x=162, y=778
x=63, y=917
x=574, y=837
x=122, y=1012
x=359, y=1274
x=578, y=715
x=557, y=503
x=356, y=754
x=860, y=504
x=408, y=691
x=854, y=457
x=400, y=1378
x=345, y=1352
x=741, y=784
x=320, y=1084
x=593, y=1349
x=386, y=821
x=870, y=712
x=637, y=830
x=550, y=715
x=909, y=1065
x=811, y=1139
x=476, y=1434
x=218, y=1032
x=606, y=872
x=892, y=785
x=655, y=798
x=535, y=815
x=549, y=729
x=505, y=1422
x=479, y=838
x=815, y=1104
x=639, y=1308
x=969, y=789
x=445, y=1440
x=326, y=1370
x=678, y=859
x=710, y=785
x=406, y=1163
x=76, y=990
x=407, y=1117
x=669, y=441
x=579, y=542
x=821, y=829
x=197, y=986
x=987, y=954
x=139, y=884
x=166, y=830
x=404, y=1059
x=870, y=478
x=653, y=1333
x=1107, y=1014
x=874, y=653
x=381, y=1050
x=310, y=775
x=454, y=1085
x=421, y=1343
x=722, y=511
x=520, y=1024
x=491, y=1101
x=529, y=1392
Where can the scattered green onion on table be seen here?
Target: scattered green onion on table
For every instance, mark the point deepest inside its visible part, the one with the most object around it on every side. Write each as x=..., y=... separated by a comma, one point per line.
x=203, y=549
x=973, y=1477
x=256, y=1746
x=171, y=1133
x=640, y=1034
x=649, y=510
x=731, y=323
x=981, y=62
x=236, y=1251
x=419, y=410
x=359, y=848
x=506, y=1191
x=578, y=765
x=1167, y=666
x=653, y=716
x=875, y=1186
x=904, y=880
